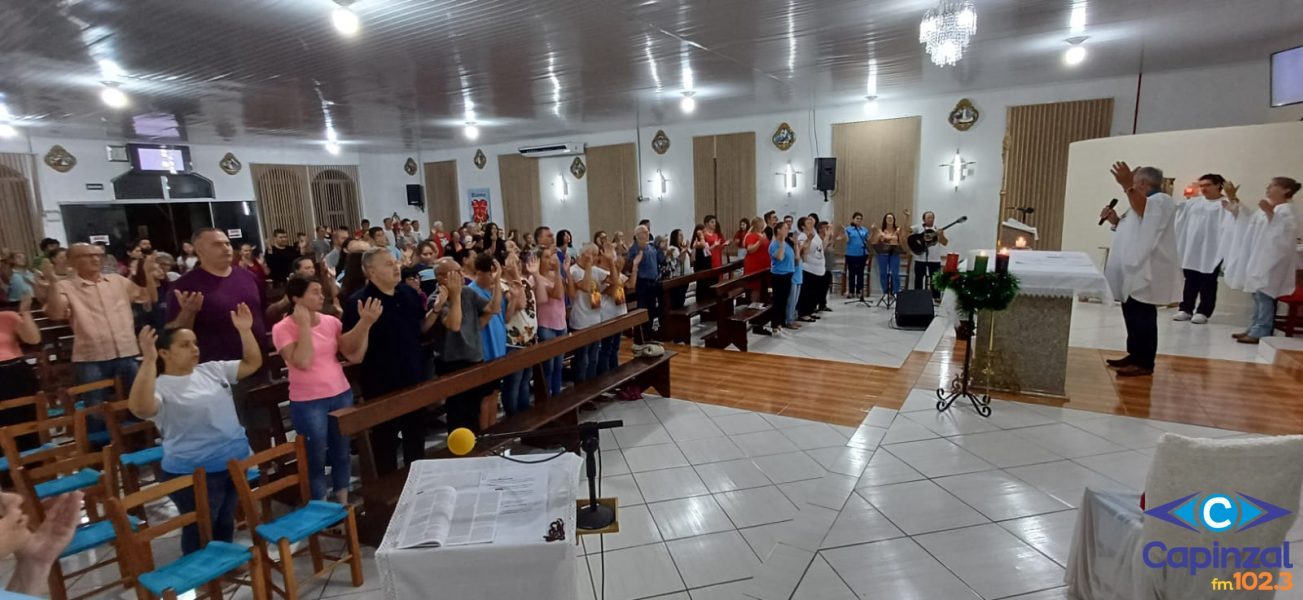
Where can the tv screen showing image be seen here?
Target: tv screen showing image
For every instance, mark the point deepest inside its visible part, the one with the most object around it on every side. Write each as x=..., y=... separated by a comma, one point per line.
x=151, y=158
x=1287, y=77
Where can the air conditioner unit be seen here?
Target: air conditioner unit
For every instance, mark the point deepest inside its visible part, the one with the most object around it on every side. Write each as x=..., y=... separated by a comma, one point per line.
x=557, y=149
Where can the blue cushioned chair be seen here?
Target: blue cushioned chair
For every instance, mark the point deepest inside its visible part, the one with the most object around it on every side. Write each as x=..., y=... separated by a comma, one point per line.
x=50, y=451
x=92, y=474
x=206, y=568
x=312, y=519
x=134, y=442
x=34, y=405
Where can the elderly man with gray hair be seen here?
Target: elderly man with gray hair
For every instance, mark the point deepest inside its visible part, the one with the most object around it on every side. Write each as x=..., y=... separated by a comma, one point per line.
x=1143, y=267
x=394, y=357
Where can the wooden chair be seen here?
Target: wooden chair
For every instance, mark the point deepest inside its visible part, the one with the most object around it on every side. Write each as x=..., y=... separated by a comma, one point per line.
x=207, y=567
x=37, y=406
x=97, y=532
x=70, y=402
x=134, y=444
x=311, y=520
x=49, y=452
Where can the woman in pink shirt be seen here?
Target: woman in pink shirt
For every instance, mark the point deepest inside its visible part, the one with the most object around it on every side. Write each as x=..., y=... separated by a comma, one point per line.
x=17, y=378
x=317, y=383
x=549, y=297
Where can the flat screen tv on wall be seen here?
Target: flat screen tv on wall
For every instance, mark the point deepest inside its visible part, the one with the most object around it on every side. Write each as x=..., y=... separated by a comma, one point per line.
x=1287, y=77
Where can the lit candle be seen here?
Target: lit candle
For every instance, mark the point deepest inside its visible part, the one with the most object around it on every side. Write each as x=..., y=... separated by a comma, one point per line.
x=1002, y=261
x=952, y=262
x=1021, y=242
x=979, y=265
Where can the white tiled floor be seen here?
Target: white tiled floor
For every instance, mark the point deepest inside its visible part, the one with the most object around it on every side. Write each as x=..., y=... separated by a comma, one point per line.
x=953, y=506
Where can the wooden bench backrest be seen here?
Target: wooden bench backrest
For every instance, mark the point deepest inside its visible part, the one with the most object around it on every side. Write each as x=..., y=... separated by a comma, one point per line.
x=356, y=419
x=682, y=280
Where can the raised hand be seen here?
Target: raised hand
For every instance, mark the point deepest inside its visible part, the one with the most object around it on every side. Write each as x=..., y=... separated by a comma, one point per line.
x=49, y=540
x=25, y=304
x=1230, y=189
x=1267, y=207
x=454, y=286
x=1122, y=174
x=147, y=338
x=371, y=309
x=531, y=265
x=242, y=317
x=191, y=302
x=302, y=315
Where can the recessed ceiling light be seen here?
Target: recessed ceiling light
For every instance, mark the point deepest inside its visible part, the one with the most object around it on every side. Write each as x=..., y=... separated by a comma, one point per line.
x=7, y=131
x=1076, y=53
x=345, y=20
x=688, y=103
x=871, y=103
x=113, y=97
x=471, y=131
x=333, y=148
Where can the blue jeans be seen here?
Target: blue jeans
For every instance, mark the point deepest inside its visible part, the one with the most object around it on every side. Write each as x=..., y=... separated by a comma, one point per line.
x=86, y=372
x=552, y=366
x=585, y=363
x=221, y=507
x=1264, y=316
x=609, y=355
x=791, y=302
x=515, y=388
x=889, y=272
x=323, y=441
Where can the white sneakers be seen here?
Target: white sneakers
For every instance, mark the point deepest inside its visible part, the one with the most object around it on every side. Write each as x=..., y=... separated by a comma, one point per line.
x=1185, y=316
x=1199, y=320
x=1181, y=316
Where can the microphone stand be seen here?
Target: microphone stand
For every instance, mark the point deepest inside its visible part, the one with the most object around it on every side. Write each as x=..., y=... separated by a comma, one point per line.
x=594, y=516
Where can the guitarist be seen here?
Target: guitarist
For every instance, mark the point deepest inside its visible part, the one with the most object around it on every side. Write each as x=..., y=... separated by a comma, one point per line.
x=927, y=263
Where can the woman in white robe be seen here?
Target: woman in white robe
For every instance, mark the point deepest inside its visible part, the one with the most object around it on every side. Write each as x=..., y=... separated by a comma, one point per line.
x=1266, y=254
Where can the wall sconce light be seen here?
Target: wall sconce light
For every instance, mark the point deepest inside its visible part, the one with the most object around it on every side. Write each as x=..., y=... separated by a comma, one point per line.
x=562, y=187
x=660, y=184
x=958, y=168
x=789, y=178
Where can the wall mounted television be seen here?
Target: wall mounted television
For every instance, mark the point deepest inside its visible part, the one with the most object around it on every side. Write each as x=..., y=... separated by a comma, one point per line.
x=159, y=159
x=1287, y=77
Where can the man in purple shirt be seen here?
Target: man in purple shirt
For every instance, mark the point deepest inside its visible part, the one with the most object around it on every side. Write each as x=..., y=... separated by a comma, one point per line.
x=203, y=299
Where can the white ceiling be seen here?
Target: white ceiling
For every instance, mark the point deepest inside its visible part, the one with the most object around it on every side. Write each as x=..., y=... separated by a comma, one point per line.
x=242, y=70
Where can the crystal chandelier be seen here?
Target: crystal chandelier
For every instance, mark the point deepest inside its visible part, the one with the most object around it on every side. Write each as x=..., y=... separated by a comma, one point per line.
x=946, y=30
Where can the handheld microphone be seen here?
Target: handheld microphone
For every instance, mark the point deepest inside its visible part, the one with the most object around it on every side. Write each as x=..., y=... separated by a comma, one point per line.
x=1111, y=204
x=461, y=441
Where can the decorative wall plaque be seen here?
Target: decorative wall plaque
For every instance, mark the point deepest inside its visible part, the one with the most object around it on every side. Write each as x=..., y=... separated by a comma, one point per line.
x=410, y=166
x=59, y=159
x=661, y=142
x=480, y=160
x=964, y=115
x=577, y=168
x=783, y=137
x=230, y=164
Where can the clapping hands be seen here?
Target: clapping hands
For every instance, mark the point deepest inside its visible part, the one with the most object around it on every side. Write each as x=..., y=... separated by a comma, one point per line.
x=191, y=302
x=369, y=310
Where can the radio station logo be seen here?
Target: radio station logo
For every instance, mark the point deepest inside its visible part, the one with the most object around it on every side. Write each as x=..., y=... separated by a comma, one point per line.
x=1223, y=514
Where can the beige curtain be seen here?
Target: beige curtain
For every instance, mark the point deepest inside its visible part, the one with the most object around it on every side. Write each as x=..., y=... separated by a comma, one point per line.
x=724, y=177
x=1036, y=143
x=612, y=188
x=20, y=227
x=521, y=204
x=441, y=196
x=283, y=197
x=334, y=195
x=877, y=168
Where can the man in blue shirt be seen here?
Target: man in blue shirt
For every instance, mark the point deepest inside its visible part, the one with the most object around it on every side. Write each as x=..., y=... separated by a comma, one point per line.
x=645, y=260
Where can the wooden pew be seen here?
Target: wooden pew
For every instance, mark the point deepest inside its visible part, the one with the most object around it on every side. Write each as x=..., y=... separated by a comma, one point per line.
x=380, y=493
x=731, y=321
x=676, y=323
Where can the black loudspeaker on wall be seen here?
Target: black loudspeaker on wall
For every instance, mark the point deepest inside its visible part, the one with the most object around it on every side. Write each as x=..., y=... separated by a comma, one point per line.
x=415, y=196
x=825, y=174
x=914, y=309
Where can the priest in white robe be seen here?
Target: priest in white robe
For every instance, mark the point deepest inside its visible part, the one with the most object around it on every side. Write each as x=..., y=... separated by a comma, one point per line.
x=1265, y=258
x=1143, y=266
x=1201, y=223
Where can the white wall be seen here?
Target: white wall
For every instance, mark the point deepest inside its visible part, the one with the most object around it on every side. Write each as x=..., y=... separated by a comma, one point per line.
x=1226, y=95
x=1249, y=156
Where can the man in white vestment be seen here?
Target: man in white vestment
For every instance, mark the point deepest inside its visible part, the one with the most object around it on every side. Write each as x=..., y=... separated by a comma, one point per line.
x=1142, y=268
x=1264, y=257
x=1200, y=224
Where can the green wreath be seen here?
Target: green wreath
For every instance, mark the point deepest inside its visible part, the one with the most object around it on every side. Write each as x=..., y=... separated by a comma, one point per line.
x=978, y=291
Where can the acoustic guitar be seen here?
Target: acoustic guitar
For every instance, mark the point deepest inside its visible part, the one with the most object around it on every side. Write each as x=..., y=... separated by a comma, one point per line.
x=919, y=242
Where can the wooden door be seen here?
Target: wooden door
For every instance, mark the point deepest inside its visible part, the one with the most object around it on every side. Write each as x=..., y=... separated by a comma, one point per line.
x=442, y=199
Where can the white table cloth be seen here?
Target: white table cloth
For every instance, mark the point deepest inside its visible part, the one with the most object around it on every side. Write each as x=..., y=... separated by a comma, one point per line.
x=513, y=566
x=1051, y=273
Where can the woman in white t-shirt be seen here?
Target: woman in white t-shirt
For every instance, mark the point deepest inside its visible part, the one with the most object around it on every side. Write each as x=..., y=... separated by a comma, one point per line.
x=586, y=285
x=192, y=405
x=813, y=265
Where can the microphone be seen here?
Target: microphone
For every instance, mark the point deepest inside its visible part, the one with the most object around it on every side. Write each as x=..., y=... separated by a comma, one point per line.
x=461, y=441
x=1111, y=204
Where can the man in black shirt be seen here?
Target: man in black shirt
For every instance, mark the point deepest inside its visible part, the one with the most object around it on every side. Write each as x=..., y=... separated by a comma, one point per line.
x=394, y=356
x=280, y=257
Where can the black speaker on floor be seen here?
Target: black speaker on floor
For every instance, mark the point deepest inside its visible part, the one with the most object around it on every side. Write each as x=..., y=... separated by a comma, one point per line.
x=415, y=195
x=914, y=309
x=825, y=174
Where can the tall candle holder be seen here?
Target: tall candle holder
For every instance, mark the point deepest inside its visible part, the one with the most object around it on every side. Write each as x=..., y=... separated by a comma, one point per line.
x=976, y=291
